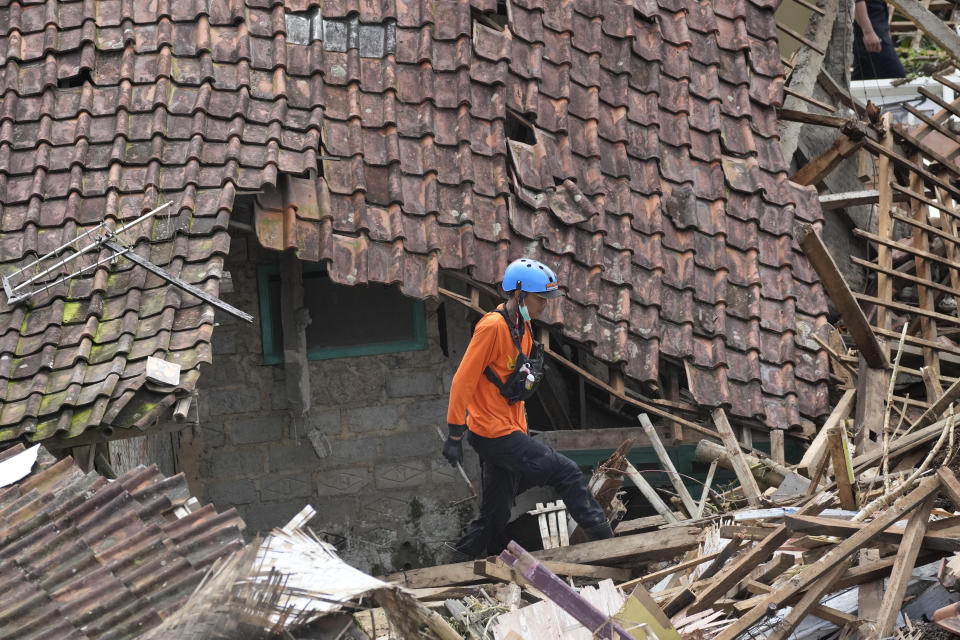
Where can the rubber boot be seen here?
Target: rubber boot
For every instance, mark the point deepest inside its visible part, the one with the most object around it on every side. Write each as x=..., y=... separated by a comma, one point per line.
x=599, y=531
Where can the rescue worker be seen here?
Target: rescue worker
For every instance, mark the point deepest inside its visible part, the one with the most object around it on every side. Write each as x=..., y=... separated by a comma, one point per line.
x=874, y=54
x=486, y=404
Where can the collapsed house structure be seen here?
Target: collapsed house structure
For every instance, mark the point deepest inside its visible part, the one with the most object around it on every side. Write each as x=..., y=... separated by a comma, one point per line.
x=632, y=148
x=259, y=233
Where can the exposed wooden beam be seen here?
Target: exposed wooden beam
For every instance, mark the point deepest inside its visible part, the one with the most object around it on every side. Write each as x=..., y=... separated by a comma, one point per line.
x=808, y=602
x=945, y=37
x=903, y=569
x=747, y=482
x=905, y=276
x=809, y=100
x=830, y=201
x=842, y=297
x=818, y=168
x=831, y=559
x=793, y=115
x=894, y=244
x=842, y=467
x=819, y=447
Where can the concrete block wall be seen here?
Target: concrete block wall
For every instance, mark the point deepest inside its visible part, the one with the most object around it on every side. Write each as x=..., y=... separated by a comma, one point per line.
x=383, y=490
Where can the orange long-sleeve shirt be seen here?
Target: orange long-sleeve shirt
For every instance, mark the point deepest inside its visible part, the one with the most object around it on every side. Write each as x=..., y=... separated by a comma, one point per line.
x=474, y=400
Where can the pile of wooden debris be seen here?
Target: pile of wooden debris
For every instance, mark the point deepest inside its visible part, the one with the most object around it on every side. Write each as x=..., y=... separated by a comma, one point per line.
x=832, y=555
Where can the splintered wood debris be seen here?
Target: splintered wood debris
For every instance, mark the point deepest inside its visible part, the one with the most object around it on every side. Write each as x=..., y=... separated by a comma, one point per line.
x=859, y=538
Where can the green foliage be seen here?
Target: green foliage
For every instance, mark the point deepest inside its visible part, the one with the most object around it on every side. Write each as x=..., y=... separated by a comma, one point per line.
x=920, y=63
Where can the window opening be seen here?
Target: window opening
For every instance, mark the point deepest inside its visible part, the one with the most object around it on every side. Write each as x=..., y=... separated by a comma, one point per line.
x=347, y=321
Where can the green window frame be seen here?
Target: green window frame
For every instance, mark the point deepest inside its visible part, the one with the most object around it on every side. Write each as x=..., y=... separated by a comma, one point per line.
x=273, y=352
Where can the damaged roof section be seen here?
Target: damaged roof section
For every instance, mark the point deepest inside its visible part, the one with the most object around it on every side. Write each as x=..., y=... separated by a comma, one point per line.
x=83, y=558
x=633, y=147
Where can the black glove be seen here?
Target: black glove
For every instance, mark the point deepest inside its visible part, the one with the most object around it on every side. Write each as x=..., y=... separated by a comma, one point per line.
x=453, y=447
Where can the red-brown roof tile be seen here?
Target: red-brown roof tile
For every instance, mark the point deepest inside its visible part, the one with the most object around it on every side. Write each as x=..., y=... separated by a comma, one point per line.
x=98, y=559
x=409, y=99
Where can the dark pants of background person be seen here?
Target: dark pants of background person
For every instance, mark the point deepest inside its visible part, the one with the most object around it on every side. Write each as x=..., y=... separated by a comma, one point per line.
x=510, y=465
x=886, y=63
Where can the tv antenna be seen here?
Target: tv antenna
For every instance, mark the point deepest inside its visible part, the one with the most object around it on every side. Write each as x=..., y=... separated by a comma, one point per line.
x=30, y=280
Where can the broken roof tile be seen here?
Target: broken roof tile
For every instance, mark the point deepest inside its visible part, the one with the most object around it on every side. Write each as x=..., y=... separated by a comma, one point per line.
x=629, y=101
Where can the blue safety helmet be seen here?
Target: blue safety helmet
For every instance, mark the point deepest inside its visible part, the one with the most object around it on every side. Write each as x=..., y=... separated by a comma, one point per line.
x=531, y=276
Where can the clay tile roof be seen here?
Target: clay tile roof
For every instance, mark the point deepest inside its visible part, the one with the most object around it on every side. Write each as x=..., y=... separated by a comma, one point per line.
x=84, y=558
x=651, y=179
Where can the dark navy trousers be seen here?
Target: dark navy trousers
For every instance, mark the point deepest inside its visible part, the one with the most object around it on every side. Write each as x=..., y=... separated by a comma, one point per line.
x=886, y=63
x=510, y=465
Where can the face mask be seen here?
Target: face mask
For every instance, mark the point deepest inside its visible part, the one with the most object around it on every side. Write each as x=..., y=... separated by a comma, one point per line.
x=524, y=313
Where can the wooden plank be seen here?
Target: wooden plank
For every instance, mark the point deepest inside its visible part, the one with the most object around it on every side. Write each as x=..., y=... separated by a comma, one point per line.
x=831, y=201
x=939, y=407
x=650, y=546
x=685, y=498
x=925, y=299
x=747, y=482
x=932, y=154
x=905, y=276
x=657, y=576
x=930, y=24
x=916, y=224
x=941, y=207
x=837, y=617
x=831, y=559
x=671, y=381
x=810, y=604
x=650, y=494
x=842, y=468
x=842, y=297
x=777, y=451
x=932, y=123
x=899, y=246
x=900, y=445
x=811, y=6
x=809, y=99
x=749, y=561
x=818, y=448
x=913, y=340
x=588, y=571
x=855, y=576
x=870, y=594
x=949, y=225
x=815, y=525
x=909, y=166
x=706, y=489
x=884, y=225
x=905, y=308
x=646, y=523
x=818, y=168
x=819, y=119
x=801, y=39
x=949, y=485
x=726, y=553
x=913, y=537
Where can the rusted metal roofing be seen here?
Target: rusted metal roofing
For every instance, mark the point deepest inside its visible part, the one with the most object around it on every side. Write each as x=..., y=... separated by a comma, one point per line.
x=84, y=558
x=651, y=178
